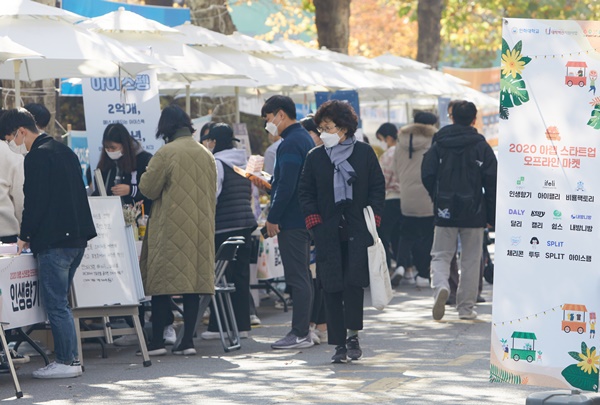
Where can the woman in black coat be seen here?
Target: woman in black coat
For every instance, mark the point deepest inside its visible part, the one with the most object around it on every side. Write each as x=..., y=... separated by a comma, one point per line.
x=339, y=179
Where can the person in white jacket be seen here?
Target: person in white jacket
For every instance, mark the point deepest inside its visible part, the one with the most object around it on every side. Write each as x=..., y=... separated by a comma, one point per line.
x=12, y=175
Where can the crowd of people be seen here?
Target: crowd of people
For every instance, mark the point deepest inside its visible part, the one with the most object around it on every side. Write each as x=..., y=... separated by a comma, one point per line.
x=432, y=193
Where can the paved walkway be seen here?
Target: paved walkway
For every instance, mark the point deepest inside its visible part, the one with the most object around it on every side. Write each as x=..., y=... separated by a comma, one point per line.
x=408, y=359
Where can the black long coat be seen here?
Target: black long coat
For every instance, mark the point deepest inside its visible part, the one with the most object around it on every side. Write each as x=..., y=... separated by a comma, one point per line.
x=316, y=198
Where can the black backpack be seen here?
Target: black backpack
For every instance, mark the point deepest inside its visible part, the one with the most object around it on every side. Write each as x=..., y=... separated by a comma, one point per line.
x=459, y=191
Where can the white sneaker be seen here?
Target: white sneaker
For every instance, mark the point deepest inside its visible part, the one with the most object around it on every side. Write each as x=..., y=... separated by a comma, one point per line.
x=126, y=340
x=169, y=335
x=322, y=334
x=409, y=277
x=58, y=370
x=254, y=320
x=208, y=335
x=468, y=317
x=244, y=334
x=397, y=275
x=422, y=282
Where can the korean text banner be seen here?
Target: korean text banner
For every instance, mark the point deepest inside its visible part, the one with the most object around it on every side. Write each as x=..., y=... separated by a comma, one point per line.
x=547, y=258
x=132, y=102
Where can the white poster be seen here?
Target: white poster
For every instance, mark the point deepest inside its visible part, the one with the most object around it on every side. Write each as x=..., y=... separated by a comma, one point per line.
x=131, y=102
x=20, y=301
x=109, y=273
x=547, y=283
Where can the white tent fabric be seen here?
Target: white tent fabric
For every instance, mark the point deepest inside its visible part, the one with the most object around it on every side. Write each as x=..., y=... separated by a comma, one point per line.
x=20, y=8
x=11, y=50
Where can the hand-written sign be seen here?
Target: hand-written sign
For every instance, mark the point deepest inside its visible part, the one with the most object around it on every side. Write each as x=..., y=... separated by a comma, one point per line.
x=107, y=274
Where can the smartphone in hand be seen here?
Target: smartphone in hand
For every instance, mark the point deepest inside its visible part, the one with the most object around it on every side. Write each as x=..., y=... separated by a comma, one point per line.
x=264, y=233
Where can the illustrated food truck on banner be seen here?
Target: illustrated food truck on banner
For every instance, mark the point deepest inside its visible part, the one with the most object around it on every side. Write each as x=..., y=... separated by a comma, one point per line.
x=576, y=74
x=547, y=211
x=527, y=351
x=574, y=318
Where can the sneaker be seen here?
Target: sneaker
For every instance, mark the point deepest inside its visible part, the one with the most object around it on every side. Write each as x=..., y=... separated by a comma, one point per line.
x=206, y=317
x=59, y=370
x=291, y=341
x=397, y=276
x=208, y=335
x=126, y=340
x=179, y=351
x=480, y=298
x=340, y=355
x=451, y=301
x=153, y=351
x=468, y=317
x=314, y=337
x=244, y=334
x=288, y=301
x=254, y=320
x=17, y=358
x=354, y=351
x=439, y=305
x=409, y=277
x=4, y=368
x=321, y=334
x=422, y=282
x=169, y=335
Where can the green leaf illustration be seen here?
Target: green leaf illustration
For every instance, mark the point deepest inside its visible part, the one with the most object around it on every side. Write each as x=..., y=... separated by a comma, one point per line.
x=504, y=112
x=583, y=347
x=575, y=355
x=498, y=375
x=505, y=47
x=580, y=379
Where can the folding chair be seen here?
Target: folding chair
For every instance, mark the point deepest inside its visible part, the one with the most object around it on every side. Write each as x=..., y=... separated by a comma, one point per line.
x=230, y=336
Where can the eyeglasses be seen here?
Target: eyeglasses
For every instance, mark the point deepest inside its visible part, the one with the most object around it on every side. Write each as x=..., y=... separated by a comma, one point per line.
x=321, y=130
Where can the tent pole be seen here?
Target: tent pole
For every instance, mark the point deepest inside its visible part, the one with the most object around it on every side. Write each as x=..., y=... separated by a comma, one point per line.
x=17, y=68
x=237, y=105
x=188, y=103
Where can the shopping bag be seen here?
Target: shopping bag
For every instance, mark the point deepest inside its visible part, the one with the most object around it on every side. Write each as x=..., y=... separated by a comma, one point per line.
x=379, y=276
x=270, y=265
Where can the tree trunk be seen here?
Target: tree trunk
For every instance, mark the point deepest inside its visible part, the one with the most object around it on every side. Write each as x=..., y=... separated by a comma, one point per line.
x=429, y=16
x=332, y=18
x=211, y=14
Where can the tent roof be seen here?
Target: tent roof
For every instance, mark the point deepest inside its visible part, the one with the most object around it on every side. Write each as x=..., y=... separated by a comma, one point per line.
x=523, y=335
x=574, y=307
x=572, y=63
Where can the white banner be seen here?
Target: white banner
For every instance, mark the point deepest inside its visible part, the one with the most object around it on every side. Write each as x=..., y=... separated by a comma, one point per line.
x=131, y=102
x=20, y=303
x=547, y=221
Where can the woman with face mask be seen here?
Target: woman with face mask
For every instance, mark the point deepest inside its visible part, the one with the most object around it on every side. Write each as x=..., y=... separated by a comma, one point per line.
x=339, y=179
x=122, y=163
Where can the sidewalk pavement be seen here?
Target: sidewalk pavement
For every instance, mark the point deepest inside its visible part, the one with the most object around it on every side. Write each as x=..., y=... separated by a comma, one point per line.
x=408, y=359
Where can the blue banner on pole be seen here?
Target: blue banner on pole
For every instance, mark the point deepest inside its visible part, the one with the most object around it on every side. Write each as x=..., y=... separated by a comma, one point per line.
x=349, y=96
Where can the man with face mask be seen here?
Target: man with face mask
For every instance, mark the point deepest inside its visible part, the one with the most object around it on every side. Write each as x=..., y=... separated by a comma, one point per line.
x=285, y=217
x=56, y=225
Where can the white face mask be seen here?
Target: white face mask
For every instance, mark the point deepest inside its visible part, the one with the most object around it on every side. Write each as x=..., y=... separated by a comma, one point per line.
x=329, y=139
x=18, y=149
x=114, y=155
x=272, y=128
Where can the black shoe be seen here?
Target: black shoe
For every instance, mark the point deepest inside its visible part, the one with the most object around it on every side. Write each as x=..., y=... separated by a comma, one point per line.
x=340, y=355
x=4, y=368
x=451, y=301
x=480, y=298
x=354, y=351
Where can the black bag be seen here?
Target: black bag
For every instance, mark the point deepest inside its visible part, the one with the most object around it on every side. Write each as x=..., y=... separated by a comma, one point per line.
x=459, y=191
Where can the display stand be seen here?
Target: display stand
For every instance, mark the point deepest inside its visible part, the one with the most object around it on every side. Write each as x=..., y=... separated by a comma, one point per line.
x=108, y=282
x=107, y=332
x=18, y=392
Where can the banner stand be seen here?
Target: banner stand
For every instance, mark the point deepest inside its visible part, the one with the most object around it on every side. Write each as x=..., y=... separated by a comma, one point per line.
x=561, y=397
x=108, y=332
x=18, y=392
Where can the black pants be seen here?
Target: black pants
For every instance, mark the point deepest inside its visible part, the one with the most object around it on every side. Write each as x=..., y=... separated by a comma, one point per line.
x=389, y=232
x=416, y=238
x=318, y=308
x=344, y=309
x=238, y=273
x=161, y=307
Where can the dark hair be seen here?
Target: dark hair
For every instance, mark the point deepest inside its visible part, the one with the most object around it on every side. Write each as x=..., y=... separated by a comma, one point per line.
x=276, y=103
x=205, y=127
x=308, y=123
x=40, y=113
x=464, y=113
x=16, y=118
x=171, y=119
x=223, y=136
x=534, y=239
x=387, y=129
x=341, y=113
x=427, y=118
x=451, y=104
x=117, y=133
x=2, y=134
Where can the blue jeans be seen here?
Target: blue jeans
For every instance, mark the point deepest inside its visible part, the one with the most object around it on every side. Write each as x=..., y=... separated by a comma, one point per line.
x=56, y=270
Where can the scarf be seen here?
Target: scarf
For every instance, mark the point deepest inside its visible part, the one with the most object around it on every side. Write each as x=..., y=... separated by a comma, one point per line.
x=343, y=173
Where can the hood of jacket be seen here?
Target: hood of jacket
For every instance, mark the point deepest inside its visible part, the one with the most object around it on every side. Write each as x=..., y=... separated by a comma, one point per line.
x=457, y=136
x=416, y=136
x=232, y=157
